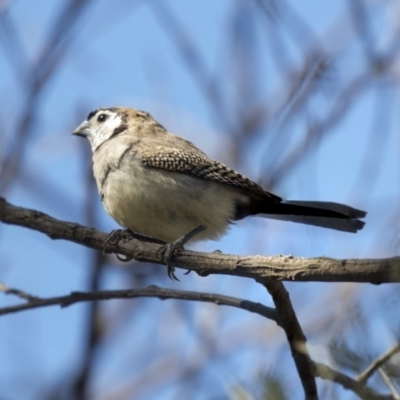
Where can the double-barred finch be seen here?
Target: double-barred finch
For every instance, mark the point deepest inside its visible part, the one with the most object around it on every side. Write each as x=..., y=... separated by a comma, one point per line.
x=160, y=185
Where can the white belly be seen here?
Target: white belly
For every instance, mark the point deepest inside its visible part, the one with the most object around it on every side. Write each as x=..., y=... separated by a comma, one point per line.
x=167, y=205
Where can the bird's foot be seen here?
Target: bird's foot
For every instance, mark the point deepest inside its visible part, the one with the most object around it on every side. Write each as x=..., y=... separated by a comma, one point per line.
x=114, y=238
x=169, y=249
x=125, y=235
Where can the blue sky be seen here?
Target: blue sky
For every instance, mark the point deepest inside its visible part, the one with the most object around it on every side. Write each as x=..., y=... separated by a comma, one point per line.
x=120, y=54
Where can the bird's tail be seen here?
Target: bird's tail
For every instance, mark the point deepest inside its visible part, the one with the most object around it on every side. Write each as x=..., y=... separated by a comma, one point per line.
x=319, y=213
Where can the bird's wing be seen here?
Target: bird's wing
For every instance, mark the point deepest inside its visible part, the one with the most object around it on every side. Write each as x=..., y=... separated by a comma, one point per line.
x=197, y=164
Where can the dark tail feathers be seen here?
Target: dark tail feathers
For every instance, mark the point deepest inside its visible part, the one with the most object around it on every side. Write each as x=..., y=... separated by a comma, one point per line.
x=319, y=213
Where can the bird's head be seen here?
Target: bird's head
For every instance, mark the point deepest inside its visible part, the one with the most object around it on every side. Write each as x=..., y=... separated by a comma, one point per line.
x=107, y=123
x=102, y=125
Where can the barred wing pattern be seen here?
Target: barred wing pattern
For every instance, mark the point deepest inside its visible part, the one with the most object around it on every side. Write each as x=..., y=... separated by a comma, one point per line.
x=201, y=166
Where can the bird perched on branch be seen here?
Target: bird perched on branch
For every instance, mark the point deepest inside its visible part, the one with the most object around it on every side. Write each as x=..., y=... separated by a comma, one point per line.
x=160, y=185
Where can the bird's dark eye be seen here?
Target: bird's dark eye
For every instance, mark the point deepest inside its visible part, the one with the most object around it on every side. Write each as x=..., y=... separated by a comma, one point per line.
x=102, y=117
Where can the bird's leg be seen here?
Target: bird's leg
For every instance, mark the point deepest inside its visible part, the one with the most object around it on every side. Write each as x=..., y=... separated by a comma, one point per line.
x=126, y=234
x=169, y=249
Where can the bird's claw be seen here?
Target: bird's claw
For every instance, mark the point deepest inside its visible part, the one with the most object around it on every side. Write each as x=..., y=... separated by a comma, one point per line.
x=169, y=249
x=123, y=258
x=114, y=237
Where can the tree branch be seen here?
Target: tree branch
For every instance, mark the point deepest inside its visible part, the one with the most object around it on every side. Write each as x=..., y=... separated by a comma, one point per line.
x=279, y=267
x=19, y=293
x=377, y=363
x=325, y=372
x=388, y=382
x=297, y=341
x=151, y=291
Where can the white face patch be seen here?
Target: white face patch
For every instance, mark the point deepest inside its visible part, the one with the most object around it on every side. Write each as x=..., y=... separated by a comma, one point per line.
x=102, y=126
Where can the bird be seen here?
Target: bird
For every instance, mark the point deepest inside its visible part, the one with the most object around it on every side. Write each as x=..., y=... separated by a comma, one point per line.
x=161, y=186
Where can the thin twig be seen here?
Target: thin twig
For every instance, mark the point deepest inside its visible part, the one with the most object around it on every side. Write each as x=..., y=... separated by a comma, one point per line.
x=19, y=293
x=191, y=58
x=377, y=363
x=389, y=383
x=297, y=340
x=325, y=372
x=53, y=52
x=11, y=39
x=95, y=329
x=151, y=291
x=361, y=22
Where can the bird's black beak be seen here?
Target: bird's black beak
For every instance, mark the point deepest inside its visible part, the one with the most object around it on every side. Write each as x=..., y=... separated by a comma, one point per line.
x=82, y=130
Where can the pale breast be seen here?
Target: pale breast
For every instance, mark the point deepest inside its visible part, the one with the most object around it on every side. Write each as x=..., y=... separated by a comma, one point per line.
x=167, y=205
